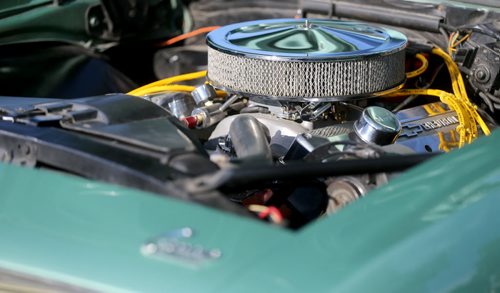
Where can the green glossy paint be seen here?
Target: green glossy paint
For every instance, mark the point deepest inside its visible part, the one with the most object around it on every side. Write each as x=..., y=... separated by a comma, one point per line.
x=64, y=23
x=41, y=20
x=10, y=5
x=89, y=233
x=435, y=228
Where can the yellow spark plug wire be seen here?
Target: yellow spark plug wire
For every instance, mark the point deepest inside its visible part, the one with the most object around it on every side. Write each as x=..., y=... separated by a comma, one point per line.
x=458, y=86
x=168, y=81
x=465, y=121
x=421, y=69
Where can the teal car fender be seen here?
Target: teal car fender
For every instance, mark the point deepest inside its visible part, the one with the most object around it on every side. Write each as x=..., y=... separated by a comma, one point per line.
x=434, y=228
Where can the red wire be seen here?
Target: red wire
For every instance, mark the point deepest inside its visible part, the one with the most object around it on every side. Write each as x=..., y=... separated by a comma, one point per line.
x=271, y=210
x=264, y=213
x=277, y=213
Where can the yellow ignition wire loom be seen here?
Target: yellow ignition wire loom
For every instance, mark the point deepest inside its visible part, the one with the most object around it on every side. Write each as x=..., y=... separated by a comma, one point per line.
x=166, y=84
x=421, y=69
x=459, y=102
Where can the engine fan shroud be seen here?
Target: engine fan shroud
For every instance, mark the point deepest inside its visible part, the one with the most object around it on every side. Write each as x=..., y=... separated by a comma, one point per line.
x=306, y=60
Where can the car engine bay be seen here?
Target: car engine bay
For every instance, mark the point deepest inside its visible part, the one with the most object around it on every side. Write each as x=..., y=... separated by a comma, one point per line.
x=293, y=118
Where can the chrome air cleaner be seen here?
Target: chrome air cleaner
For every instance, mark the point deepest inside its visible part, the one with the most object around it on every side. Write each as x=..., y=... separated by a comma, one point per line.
x=301, y=59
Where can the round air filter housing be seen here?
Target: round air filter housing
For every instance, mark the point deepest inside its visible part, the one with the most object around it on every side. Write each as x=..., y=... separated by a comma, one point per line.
x=301, y=59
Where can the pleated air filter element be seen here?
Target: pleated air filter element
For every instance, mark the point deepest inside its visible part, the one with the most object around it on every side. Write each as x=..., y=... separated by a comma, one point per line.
x=306, y=60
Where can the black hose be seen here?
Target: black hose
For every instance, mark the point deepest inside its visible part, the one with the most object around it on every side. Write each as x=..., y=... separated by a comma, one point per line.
x=491, y=97
x=252, y=175
x=249, y=139
x=488, y=102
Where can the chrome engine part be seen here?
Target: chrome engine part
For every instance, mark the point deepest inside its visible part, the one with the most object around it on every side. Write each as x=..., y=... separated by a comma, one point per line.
x=428, y=128
x=306, y=60
x=377, y=125
x=203, y=93
x=343, y=190
x=178, y=103
x=295, y=111
x=282, y=132
x=346, y=189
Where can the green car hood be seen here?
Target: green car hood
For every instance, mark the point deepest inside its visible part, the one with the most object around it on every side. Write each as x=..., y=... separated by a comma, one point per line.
x=435, y=228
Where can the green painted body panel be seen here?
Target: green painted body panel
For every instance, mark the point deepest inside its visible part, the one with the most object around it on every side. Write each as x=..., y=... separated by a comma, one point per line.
x=48, y=23
x=12, y=5
x=44, y=21
x=90, y=233
x=435, y=228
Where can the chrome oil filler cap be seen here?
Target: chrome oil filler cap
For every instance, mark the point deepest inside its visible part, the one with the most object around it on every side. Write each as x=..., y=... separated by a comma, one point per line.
x=306, y=59
x=377, y=125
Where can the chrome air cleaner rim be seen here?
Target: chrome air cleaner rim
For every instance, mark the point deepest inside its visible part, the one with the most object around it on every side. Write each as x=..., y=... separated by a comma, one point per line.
x=299, y=59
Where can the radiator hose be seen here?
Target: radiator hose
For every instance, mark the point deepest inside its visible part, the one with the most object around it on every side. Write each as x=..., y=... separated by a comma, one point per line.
x=250, y=140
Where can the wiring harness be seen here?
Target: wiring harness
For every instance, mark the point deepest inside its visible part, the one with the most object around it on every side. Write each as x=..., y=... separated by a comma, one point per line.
x=468, y=117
